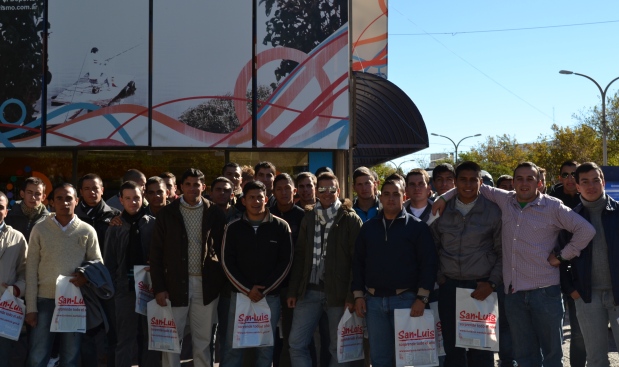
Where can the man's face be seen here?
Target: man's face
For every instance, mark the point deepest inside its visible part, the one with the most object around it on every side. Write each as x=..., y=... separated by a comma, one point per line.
x=33, y=195
x=170, y=185
x=444, y=182
x=567, y=179
x=307, y=190
x=65, y=199
x=525, y=183
x=157, y=194
x=364, y=187
x=222, y=193
x=234, y=174
x=91, y=192
x=417, y=189
x=255, y=203
x=392, y=198
x=192, y=190
x=267, y=177
x=507, y=185
x=591, y=185
x=142, y=184
x=284, y=192
x=542, y=183
x=468, y=184
x=131, y=200
x=4, y=208
x=330, y=192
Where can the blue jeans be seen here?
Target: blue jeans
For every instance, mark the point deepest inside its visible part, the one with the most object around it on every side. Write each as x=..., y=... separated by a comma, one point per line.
x=455, y=356
x=536, y=321
x=264, y=355
x=41, y=339
x=381, y=328
x=505, y=336
x=307, y=313
x=578, y=353
x=594, y=318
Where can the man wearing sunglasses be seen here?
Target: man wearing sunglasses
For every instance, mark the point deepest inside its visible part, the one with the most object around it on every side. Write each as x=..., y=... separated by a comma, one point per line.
x=566, y=190
x=320, y=277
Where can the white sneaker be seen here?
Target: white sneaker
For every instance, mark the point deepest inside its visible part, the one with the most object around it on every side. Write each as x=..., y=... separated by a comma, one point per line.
x=53, y=362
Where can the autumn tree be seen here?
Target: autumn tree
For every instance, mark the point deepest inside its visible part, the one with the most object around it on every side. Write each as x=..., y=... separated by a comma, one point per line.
x=498, y=155
x=592, y=118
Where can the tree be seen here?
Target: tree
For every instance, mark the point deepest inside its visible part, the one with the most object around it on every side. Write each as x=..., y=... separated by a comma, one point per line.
x=593, y=119
x=383, y=171
x=498, y=155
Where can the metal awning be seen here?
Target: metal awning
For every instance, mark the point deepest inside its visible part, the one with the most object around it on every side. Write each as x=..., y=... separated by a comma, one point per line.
x=387, y=122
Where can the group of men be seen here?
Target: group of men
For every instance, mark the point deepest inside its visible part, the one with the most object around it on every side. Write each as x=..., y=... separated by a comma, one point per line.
x=311, y=255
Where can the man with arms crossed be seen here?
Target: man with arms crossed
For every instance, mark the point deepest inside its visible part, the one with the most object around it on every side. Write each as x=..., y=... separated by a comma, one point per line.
x=397, y=241
x=468, y=239
x=532, y=222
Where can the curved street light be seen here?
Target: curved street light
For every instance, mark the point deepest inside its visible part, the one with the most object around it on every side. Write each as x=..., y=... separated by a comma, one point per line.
x=398, y=166
x=456, y=145
x=604, y=125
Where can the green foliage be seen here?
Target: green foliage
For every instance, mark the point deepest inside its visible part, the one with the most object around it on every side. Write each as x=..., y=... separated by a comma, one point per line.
x=383, y=170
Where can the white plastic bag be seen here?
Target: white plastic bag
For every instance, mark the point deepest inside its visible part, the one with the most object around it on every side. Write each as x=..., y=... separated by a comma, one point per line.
x=350, y=332
x=162, y=333
x=252, y=323
x=415, y=339
x=477, y=322
x=11, y=315
x=144, y=292
x=440, y=349
x=70, y=311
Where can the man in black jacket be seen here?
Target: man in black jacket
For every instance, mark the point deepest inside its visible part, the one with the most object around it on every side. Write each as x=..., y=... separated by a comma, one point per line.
x=30, y=211
x=256, y=257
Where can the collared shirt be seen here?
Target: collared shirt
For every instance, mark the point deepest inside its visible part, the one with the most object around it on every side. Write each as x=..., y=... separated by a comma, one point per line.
x=64, y=228
x=530, y=234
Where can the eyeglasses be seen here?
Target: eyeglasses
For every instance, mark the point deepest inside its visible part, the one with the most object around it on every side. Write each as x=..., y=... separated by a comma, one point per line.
x=331, y=189
x=567, y=174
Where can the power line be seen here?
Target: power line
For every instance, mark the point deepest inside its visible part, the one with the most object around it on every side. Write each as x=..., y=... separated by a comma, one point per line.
x=503, y=30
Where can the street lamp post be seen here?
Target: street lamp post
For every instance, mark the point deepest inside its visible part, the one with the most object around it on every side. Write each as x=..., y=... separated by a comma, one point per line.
x=455, y=145
x=604, y=126
x=397, y=166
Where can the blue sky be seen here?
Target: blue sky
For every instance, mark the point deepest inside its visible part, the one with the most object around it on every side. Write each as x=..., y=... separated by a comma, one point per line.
x=497, y=83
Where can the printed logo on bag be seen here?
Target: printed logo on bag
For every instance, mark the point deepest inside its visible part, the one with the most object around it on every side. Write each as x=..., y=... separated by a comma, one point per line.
x=11, y=306
x=439, y=326
x=253, y=319
x=404, y=335
x=163, y=322
x=355, y=330
x=75, y=301
x=489, y=318
x=146, y=287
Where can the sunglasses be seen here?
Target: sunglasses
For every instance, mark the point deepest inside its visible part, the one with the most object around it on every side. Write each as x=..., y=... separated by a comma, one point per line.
x=331, y=189
x=567, y=174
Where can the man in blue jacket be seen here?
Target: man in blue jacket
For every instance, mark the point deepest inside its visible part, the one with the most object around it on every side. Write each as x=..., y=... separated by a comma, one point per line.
x=592, y=283
x=394, y=266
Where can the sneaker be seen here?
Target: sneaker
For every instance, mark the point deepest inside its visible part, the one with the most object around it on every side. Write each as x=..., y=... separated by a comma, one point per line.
x=53, y=362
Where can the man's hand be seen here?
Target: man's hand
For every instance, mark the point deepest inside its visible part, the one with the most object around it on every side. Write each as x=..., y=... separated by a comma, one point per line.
x=15, y=289
x=417, y=308
x=255, y=294
x=292, y=302
x=116, y=221
x=439, y=205
x=575, y=295
x=161, y=298
x=31, y=319
x=78, y=279
x=483, y=290
x=349, y=306
x=360, y=307
x=552, y=260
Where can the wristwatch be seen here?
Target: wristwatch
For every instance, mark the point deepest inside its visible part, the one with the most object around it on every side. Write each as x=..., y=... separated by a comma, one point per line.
x=423, y=299
x=560, y=258
x=491, y=284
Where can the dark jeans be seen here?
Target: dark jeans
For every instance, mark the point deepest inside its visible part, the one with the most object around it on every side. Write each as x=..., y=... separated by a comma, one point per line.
x=505, y=337
x=458, y=357
x=578, y=354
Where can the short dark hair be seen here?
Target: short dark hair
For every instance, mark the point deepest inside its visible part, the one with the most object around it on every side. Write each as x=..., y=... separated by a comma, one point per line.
x=221, y=179
x=64, y=185
x=283, y=176
x=304, y=175
x=396, y=176
x=230, y=165
x=530, y=165
x=568, y=163
x=443, y=167
x=468, y=166
x=133, y=175
x=192, y=172
x=362, y=172
x=88, y=176
x=254, y=185
x=168, y=175
x=587, y=167
x=327, y=176
x=265, y=165
x=393, y=180
x=32, y=181
x=155, y=179
x=322, y=170
x=247, y=173
x=420, y=172
x=130, y=185
x=503, y=178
